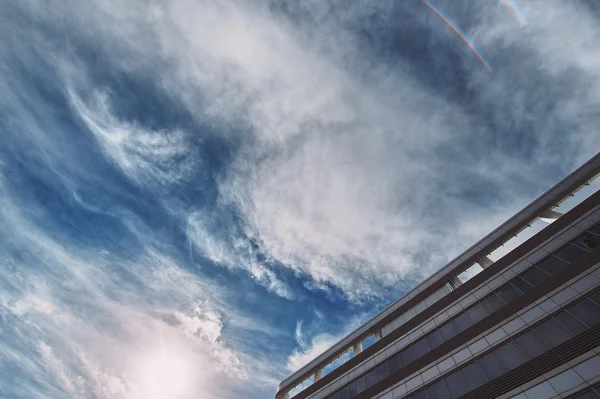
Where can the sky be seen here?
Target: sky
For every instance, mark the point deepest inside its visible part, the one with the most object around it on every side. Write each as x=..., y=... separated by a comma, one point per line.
x=198, y=197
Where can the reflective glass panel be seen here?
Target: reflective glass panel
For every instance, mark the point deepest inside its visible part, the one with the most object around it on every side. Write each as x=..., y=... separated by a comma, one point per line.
x=552, y=332
x=492, y=303
x=462, y=322
x=344, y=393
x=419, y=395
x=420, y=347
x=509, y=292
x=438, y=390
x=571, y=253
x=393, y=364
x=510, y=355
x=435, y=338
x=535, y=276
x=552, y=265
x=586, y=311
x=448, y=330
x=521, y=284
x=477, y=313
x=571, y=323
x=406, y=356
x=382, y=371
x=473, y=375
x=351, y=390
x=456, y=385
x=360, y=384
x=531, y=344
x=491, y=365
x=371, y=378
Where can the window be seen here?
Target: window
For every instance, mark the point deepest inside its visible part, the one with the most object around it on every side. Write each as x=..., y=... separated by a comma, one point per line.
x=351, y=390
x=477, y=313
x=521, y=284
x=344, y=392
x=334, y=395
x=462, y=322
x=438, y=390
x=588, y=242
x=360, y=384
x=552, y=265
x=491, y=365
x=393, y=364
x=552, y=332
x=435, y=338
x=571, y=253
x=509, y=293
x=420, y=347
x=595, y=297
x=455, y=384
x=492, y=303
x=448, y=330
x=382, y=371
x=570, y=323
x=531, y=344
x=473, y=375
x=406, y=356
x=596, y=230
x=371, y=378
x=535, y=276
x=588, y=395
x=510, y=355
x=586, y=311
x=419, y=395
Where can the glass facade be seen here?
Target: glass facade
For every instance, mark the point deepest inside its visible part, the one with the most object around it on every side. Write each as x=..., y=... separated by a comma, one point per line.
x=515, y=352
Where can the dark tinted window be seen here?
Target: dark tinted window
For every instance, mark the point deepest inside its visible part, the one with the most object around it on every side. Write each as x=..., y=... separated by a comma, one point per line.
x=586, y=311
x=477, y=313
x=531, y=344
x=521, y=284
x=448, y=330
x=435, y=338
x=596, y=230
x=552, y=265
x=455, y=384
x=334, y=395
x=438, y=390
x=473, y=375
x=571, y=253
x=393, y=364
x=344, y=393
x=509, y=292
x=568, y=321
x=491, y=365
x=462, y=322
x=371, y=378
x=360, y=384
x=587, y=395
x=406, y=356
x=510, y=355
x=492, y=303
x=420, y=347
x=535, y=276
x=552, y=332
x=382, y=371
x=588, y=242
x=351, y=390
x=419, y=395
x=595, y=297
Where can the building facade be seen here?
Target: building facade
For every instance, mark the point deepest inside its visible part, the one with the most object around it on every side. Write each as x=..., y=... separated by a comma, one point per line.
x=527, y=325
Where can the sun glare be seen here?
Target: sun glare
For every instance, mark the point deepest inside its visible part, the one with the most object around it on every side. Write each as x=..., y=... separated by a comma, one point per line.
x=165, y=376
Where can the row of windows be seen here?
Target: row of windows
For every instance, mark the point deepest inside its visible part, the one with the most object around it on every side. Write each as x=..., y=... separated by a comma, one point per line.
x=592, y=393
x=507, y=293
x=529, y=344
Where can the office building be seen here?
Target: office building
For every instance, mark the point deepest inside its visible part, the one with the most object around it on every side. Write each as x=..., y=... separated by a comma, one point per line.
x=527, y=325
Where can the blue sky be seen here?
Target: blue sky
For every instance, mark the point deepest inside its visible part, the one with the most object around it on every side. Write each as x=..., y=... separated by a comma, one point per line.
x=217, y=191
